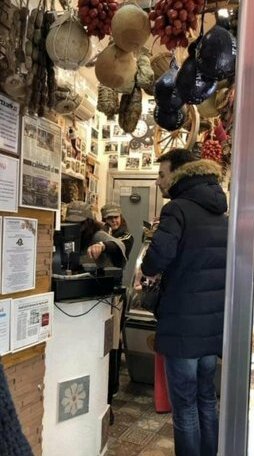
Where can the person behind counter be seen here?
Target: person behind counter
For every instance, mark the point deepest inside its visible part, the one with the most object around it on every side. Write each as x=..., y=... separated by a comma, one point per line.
x=112, y=216
x=100, y=246
x=117, y=226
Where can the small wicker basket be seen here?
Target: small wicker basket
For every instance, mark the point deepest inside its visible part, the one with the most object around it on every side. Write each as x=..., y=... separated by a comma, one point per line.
x=160, y=63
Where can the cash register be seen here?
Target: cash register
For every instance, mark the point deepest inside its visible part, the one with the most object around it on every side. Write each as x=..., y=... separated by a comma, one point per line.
x=74, y=277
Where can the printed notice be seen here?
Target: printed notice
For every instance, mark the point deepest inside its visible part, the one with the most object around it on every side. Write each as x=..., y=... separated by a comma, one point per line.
x=9, y=125
x=5, y=310
x=9, y=176
x=31, y=320
x=18, y=254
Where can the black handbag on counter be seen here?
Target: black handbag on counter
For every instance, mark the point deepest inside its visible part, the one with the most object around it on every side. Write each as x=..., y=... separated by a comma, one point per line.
x=150, y=296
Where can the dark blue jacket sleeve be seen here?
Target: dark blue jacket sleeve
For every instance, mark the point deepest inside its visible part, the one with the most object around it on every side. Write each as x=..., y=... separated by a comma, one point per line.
x=163, y=247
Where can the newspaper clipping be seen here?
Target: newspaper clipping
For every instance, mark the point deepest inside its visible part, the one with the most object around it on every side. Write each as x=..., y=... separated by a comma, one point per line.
x=41, y=162
x=31, y=320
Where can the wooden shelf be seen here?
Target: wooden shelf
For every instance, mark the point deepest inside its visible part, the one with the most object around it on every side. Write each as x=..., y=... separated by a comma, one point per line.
x=71, y=176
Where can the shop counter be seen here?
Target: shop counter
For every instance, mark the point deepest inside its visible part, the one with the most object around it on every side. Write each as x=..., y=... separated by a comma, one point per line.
x=76, y=379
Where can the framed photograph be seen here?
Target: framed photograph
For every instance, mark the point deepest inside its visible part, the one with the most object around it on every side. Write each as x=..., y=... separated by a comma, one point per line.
x=94, y=147
x=132, y=163
x=117, y=131
x=106, y=133
x=146, y=160
x=124, y=148
x=94, y=133
x=110, y=147
x=113, y=161
x=150, y=105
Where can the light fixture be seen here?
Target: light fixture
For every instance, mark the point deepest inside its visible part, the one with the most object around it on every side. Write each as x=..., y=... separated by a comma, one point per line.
x=223, y=12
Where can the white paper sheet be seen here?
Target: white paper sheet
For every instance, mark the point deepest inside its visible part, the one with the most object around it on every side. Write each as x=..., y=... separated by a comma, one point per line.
x=31, y=320
x=18, y=254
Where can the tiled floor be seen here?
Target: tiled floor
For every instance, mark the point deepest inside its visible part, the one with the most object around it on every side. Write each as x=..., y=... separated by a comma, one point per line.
x=138, y=430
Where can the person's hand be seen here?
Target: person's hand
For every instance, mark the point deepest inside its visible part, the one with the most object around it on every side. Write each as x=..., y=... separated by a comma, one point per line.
x=95, y=250
x=152, y=280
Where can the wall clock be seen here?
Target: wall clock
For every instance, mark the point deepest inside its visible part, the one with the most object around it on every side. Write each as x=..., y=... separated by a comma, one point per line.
x=143, y=133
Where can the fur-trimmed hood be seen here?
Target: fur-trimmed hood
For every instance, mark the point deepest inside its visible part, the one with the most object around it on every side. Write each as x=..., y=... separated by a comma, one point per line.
x=201, y=167
x=198, y=181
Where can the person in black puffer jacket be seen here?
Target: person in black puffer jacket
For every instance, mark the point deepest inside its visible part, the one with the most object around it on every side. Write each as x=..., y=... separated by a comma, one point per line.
x=189, y=251
x=12, y=440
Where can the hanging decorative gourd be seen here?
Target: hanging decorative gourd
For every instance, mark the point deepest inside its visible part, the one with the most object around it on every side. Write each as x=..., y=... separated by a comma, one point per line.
x=130, y=27
x=169, y=121
x=116, y=69
x=67, y=43
x=216, y=54
x=192, y=87
x=166, y=93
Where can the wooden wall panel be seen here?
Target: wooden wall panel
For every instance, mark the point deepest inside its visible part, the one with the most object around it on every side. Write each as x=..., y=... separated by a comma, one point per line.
x=25, y=373
x=25, y=369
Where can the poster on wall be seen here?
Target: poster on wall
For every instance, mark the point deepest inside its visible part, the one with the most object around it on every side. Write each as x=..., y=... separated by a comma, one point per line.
x=40, y=164
x=9, y=125
x=5, y=315
x=31, y=320
x=9, y=178
x=18, y=254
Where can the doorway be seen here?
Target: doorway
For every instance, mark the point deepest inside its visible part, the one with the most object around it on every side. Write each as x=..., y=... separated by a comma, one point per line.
x=140, y=200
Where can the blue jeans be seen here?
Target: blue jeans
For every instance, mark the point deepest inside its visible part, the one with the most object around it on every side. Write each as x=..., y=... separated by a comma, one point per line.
x=193, y=399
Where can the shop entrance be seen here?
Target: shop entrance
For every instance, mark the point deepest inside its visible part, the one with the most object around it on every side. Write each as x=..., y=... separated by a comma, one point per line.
x=140, y=200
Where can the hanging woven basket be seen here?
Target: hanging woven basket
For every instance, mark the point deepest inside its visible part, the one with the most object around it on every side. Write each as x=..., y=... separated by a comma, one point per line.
x=160, y=63
x=67, y=43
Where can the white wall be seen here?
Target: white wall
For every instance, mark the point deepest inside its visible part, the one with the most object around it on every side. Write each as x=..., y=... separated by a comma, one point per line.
x=75, y=351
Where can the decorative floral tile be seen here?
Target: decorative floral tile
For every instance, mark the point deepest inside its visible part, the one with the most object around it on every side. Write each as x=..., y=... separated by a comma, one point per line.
x=118, y=448
x=150, y=452
x=118, y=403
x=163, y=445
x=163, y=417
x=73, y=398
x=117, y=430
x=150, y=423
x=132, y=409
x=122, y=396
x=136, y=436
x=123, y=418
x=167, y=430
x=139, y=389
x=144, y=400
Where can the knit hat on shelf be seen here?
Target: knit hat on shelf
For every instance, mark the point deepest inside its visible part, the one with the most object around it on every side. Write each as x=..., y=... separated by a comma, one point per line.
x=78, y=211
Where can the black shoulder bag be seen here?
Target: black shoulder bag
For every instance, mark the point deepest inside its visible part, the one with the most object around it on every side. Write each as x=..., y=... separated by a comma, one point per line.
x=150, y=296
